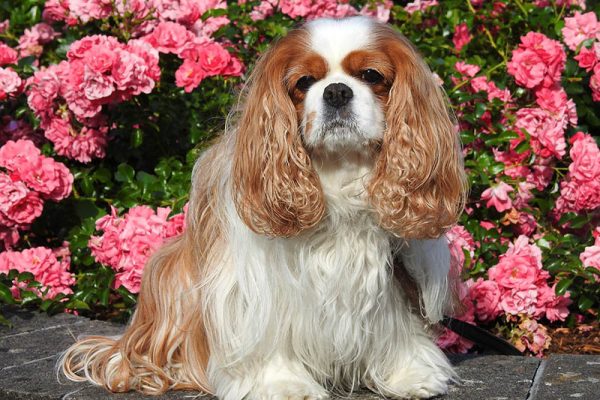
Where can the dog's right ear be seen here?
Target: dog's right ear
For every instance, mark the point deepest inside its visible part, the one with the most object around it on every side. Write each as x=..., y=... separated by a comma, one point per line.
x=275, y=189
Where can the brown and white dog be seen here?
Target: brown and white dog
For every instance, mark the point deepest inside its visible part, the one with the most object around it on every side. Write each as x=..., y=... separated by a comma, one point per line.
x=340, y=158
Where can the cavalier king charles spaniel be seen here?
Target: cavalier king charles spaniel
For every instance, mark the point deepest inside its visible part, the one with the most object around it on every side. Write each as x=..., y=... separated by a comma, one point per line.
x=314, y=258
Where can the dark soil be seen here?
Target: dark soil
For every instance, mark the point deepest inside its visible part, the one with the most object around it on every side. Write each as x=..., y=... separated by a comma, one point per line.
x=582, y=339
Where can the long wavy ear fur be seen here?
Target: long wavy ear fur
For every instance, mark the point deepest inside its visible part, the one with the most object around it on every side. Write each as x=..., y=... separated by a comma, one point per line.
x=275, y=189
x=418, y=186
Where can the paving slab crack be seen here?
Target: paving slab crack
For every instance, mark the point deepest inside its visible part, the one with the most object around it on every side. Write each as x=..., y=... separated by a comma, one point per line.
x=30, y=362
x=46, y=328
x=536, y=381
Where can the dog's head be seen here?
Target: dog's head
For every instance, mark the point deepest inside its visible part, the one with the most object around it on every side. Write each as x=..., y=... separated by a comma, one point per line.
x=337, y=85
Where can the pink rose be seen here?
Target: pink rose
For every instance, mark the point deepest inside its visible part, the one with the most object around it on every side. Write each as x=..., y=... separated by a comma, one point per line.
x=7, y=55
x=497, y=196
x=15, y=154
x=128, y=241
x=546, y=131
x=189, y=75
x=586, y=158
x=486, y=296
x=170, y=37
x=539, y=61
x=46, y=268
x=459, y=239
x=87, y=10
x=461, y=36
x=10, y=83
x=519, y=301
x=588, y=58
x=42, y=90
x=419, y=5
x=465, y=69
x=580, y=27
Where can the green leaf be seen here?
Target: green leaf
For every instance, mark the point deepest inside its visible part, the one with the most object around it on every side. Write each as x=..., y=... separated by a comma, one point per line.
x=77, y=304
x=563, y=286
x=125, y=173
x=479, y=110
x=585, y=303
x=5, y=295
x=137, y=138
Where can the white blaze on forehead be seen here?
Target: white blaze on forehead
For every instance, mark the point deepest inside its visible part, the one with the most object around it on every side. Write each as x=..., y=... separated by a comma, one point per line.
x=334, y=39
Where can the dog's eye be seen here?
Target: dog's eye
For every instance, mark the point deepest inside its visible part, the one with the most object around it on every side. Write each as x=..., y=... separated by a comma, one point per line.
x=305, y=83
x=371, y=76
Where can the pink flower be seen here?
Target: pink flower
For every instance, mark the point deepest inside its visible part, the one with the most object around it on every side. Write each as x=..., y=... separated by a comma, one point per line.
x=486, y=297
x=519, y=301
x=50, y=179
x=520, y=267
x=526, y=224
x=497, y=196
x=581, y=188
x=15, y=154
x=588, y=58
x=555, y=101
x=83, y=146
x=546, y=131
x=209, y=26
x=555, y=308
x=459, y=239
x=265, y=9
x=128, y=241
x=42, y=90
x=532, y=336
x=46, y=268
x=87, y=10
x=595, y=83
x=56, y=11
x=539, y=61
x=419, y=5
x=580, y=27
x=380, y=10
x=450, y=341
x=7, y=55
x=586, y=158
x=17, y=203
x=32, y=41
x=189, y=75
x=169, y=37
x=465, y=69
x=461, y=36
x=10, y=83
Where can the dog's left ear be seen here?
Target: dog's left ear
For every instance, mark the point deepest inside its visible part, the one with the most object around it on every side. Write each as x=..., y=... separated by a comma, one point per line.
x=418, y=187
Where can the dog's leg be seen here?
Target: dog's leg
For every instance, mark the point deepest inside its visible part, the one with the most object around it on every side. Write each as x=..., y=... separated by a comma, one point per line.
x=413, y=368
x=278, y=378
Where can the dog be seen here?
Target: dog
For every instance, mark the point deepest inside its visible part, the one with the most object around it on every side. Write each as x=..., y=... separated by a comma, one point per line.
x=311, y=220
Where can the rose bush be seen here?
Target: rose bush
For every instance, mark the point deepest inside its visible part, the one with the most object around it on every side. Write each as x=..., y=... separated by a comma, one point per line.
x=105, y=105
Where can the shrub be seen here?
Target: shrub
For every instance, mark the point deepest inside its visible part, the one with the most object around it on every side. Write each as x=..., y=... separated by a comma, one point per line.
x=106, y=105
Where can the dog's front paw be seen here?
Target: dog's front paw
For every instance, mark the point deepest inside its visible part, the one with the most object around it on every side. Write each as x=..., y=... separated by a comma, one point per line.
x=419, y=382
x=286, y=380
x=288, y=389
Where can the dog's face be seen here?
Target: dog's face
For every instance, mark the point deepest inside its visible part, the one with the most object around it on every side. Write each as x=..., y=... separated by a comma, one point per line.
x=338, y=85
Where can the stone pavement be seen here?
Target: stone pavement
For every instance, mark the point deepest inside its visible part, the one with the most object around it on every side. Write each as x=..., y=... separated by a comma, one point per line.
x=29, y=350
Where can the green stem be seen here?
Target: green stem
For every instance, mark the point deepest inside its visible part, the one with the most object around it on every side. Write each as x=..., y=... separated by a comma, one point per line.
x=488, y=34
x=521, y=7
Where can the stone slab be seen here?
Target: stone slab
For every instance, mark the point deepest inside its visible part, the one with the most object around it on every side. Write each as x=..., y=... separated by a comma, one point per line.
x=492, y=377
x=568, y=377
x=29, y=352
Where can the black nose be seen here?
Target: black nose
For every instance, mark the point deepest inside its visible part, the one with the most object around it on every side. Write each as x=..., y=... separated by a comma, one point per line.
x=337, y=95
